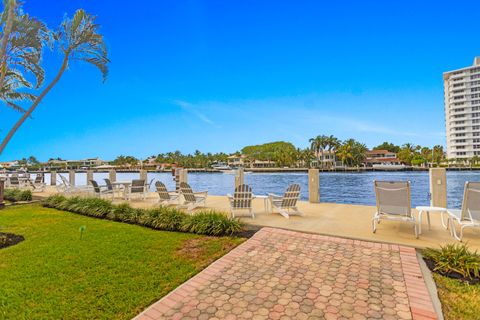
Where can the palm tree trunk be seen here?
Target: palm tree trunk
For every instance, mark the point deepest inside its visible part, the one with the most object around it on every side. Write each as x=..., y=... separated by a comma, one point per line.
x=37, y=101
x=6, y=35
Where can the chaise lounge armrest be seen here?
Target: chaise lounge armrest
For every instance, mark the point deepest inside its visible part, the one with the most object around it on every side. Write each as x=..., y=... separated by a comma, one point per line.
x=273, y=195
x=201, y=194
x=455, y=213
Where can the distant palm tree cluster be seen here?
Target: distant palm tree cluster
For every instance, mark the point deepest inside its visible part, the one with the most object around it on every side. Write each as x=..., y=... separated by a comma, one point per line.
x=350, y=152
x=323, y=152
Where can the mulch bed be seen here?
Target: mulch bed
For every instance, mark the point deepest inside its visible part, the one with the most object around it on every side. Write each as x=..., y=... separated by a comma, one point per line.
x=247, y=232
x=454, y=275
x=9, y=239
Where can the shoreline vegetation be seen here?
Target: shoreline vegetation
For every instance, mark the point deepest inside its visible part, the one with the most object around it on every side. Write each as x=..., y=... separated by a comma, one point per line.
x=271, y=170
x=326, y=153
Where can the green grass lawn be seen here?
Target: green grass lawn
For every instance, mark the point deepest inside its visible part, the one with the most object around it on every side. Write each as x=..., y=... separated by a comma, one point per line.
x=114, y=272
x=460, y=301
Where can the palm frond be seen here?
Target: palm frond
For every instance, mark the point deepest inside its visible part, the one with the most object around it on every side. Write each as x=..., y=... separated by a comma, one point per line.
x=21, y=66
x=16, y=107
x=80, y=38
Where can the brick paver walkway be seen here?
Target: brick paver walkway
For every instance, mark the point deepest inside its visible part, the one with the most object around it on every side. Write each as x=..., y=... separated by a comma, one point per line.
x=279, y=274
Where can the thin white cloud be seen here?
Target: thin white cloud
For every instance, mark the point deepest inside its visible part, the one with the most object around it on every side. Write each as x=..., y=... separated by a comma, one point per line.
x=299, y=117
x=192, y=109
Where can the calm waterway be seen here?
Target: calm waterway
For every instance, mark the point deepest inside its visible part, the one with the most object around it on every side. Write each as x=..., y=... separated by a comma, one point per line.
x=352, y=188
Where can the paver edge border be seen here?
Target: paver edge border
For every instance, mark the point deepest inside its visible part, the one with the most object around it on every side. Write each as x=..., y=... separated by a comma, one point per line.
x=421, y=305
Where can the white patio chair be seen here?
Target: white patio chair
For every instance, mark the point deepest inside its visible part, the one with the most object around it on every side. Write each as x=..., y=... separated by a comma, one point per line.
x=192, y=200
x=286, y=205
x=469, y=215
x=138, y=187
x=100, y=191
x=14, y=182
x=110, y=188
x=38, y=185
x=64, y=186
x=241, y=200
x=165, y=196
x=393, y=203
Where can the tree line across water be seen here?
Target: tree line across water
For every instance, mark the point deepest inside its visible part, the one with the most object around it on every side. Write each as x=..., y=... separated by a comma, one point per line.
x=349, y=152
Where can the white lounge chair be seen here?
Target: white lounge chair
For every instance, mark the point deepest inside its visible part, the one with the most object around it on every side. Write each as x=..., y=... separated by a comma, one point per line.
x=192, y=200
x=393, y=203
x=138, y=187
x=37, y=185
x=286, y=205
x=65, y=187
x=14, y=182
x=110, y=188
x=241, y=200
x=165, y=196
x=100, y=191
x=469, y=215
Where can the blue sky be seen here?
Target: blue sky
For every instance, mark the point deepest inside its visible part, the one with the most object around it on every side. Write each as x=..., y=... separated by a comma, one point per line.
x=219, y=75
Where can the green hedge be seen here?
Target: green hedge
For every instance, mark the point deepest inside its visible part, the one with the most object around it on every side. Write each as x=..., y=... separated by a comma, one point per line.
x=161, y=218
x=15, y=195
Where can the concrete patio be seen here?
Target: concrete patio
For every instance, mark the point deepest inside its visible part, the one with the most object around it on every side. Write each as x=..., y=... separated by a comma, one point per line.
x=343, y=220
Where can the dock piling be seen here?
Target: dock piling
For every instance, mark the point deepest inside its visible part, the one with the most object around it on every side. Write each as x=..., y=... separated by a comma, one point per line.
x=89, y=176
x=53, y=178
x=71, y=177
x=313, y=186
x=239, y=177
x=438, y=187
x=143, y=175
x=112, y=175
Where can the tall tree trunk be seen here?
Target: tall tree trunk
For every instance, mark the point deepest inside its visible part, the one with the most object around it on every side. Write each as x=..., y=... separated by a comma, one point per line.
x=6, y=35
x=37, y=101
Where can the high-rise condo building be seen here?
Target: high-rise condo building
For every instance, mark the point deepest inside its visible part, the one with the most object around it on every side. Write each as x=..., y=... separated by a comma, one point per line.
x=462, y=111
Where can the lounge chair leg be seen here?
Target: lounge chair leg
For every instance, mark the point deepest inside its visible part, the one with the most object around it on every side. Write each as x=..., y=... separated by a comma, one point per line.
x=443, y=222
x=284, y=213
x=454, y=231
x=297, y=212
x=374, y=225
x=461, y=233
x=416, y=230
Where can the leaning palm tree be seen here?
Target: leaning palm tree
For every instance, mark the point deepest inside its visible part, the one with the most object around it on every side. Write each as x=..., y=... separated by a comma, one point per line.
x=79, y=40
x=21, y=46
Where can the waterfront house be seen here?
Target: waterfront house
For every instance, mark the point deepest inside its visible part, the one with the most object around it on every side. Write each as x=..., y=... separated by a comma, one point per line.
x=236, y=161
x=262, y=164
x=381, y=158
x=75, y=164
x=9, y=164
x=326, y=159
